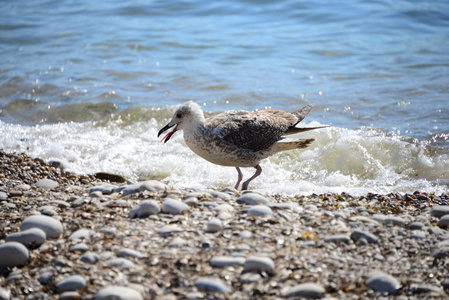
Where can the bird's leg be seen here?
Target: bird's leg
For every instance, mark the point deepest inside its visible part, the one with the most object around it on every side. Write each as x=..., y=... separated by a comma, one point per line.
x=239, y=179
x=258, y=172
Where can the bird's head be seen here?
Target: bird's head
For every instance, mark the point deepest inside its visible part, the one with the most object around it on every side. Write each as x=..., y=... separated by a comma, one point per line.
x=185, y=115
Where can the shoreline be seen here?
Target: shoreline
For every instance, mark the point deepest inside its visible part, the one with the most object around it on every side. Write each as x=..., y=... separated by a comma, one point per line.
x=203, y=244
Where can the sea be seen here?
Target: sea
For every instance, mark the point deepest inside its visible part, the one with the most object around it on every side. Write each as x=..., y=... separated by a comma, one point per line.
x=90, y=83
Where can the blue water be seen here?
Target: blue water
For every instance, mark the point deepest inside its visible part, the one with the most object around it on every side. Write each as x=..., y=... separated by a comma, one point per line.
x=367, y=66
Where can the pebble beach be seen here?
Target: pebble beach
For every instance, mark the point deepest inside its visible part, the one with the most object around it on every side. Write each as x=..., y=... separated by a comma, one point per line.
x=70, y=236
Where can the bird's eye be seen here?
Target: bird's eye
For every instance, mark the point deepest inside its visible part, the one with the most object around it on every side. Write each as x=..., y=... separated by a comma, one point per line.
x=178, y=116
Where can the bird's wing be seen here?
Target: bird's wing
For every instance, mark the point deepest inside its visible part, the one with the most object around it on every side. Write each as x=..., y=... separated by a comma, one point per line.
x=252, y=130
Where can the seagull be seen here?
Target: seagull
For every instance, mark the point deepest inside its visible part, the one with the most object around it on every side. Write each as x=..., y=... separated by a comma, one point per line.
x=238, y=138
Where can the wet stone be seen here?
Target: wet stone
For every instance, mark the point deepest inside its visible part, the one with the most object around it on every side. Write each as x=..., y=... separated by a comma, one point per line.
x=72, y=283
x=13, y=254
x=381, y=282
x=31, y=238
x=52, y=227
x=211, y=285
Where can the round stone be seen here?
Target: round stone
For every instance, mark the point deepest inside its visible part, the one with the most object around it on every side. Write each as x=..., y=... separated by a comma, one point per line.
x=211, y=285
x=121, y=262
x=439, y=210
x=52, y=227
x=173, y=206
x=72, y=283
x=118, y=293
x=259, y=264
x=126, y=252
x=214, y=225
x=90, y=258
x=13, y=254
x=144, y=209
x=305, y=290
x=31, y=238
x=46, y=184
x=251, y=198
x=444, y=221
x=382, y=282
x=153, y=186
x=260, y=211
x=338, y=238
x=82, y=233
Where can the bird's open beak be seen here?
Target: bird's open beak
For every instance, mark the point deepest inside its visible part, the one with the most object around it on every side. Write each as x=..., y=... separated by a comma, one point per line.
x=170, y=133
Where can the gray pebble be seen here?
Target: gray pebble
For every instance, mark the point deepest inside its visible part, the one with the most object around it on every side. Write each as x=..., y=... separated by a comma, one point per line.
x=416, y=225
x=126, y=252
x=444, y=221
x=418, y=234
x=109, y=232
x=118, y=293
x=81, y=247
x=426, y=288
x=439, y=210
x=211, y=285
x=72, y=283
x=47, y=210
x=260, y=211
x=305, y=290
x=120, y=262
x=96, y=194
x=251, y=198
x=144, y=209
x=82, y=233
x=129, y=189
x=381, y=282
x=173, y=206
x=226, y=261
x=224, y=208
x=31, y=238
x=338, y=238
x=13, y=254
x=176, y=242
x=45, y=278
x=259, y=264
x=245, y=234
x=441, y=252
x=214, y=225
x=153, y=186
x=90, y=258
x=250, y=277
x=60, y=203
x=358, y=234
x=52, y=227
x=72, y=295
x=3, y=196
x=46, y=184
x=169, y=229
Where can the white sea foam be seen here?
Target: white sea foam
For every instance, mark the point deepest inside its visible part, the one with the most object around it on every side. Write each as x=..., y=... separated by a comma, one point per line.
x=340, y=160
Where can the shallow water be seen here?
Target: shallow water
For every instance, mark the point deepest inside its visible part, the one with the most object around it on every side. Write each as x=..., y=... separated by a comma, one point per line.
x=90, y=84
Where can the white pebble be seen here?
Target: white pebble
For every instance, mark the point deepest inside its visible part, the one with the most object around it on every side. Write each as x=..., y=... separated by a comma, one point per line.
x=211, y=285
x=144, y=209
x=46, y=184
x=252, y=198
x=118, y=293
x=214, y=225
x=52, y=227
x=82, y=233
x=13, y=254
x=226, y=261
x=308, y=290
x=260, y=211
x=31, y=238
x=173, y=206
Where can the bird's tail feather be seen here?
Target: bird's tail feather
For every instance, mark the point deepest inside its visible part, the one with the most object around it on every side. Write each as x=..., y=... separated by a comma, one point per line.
x=293, y=130
x=302, y=112
x=284, y=146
